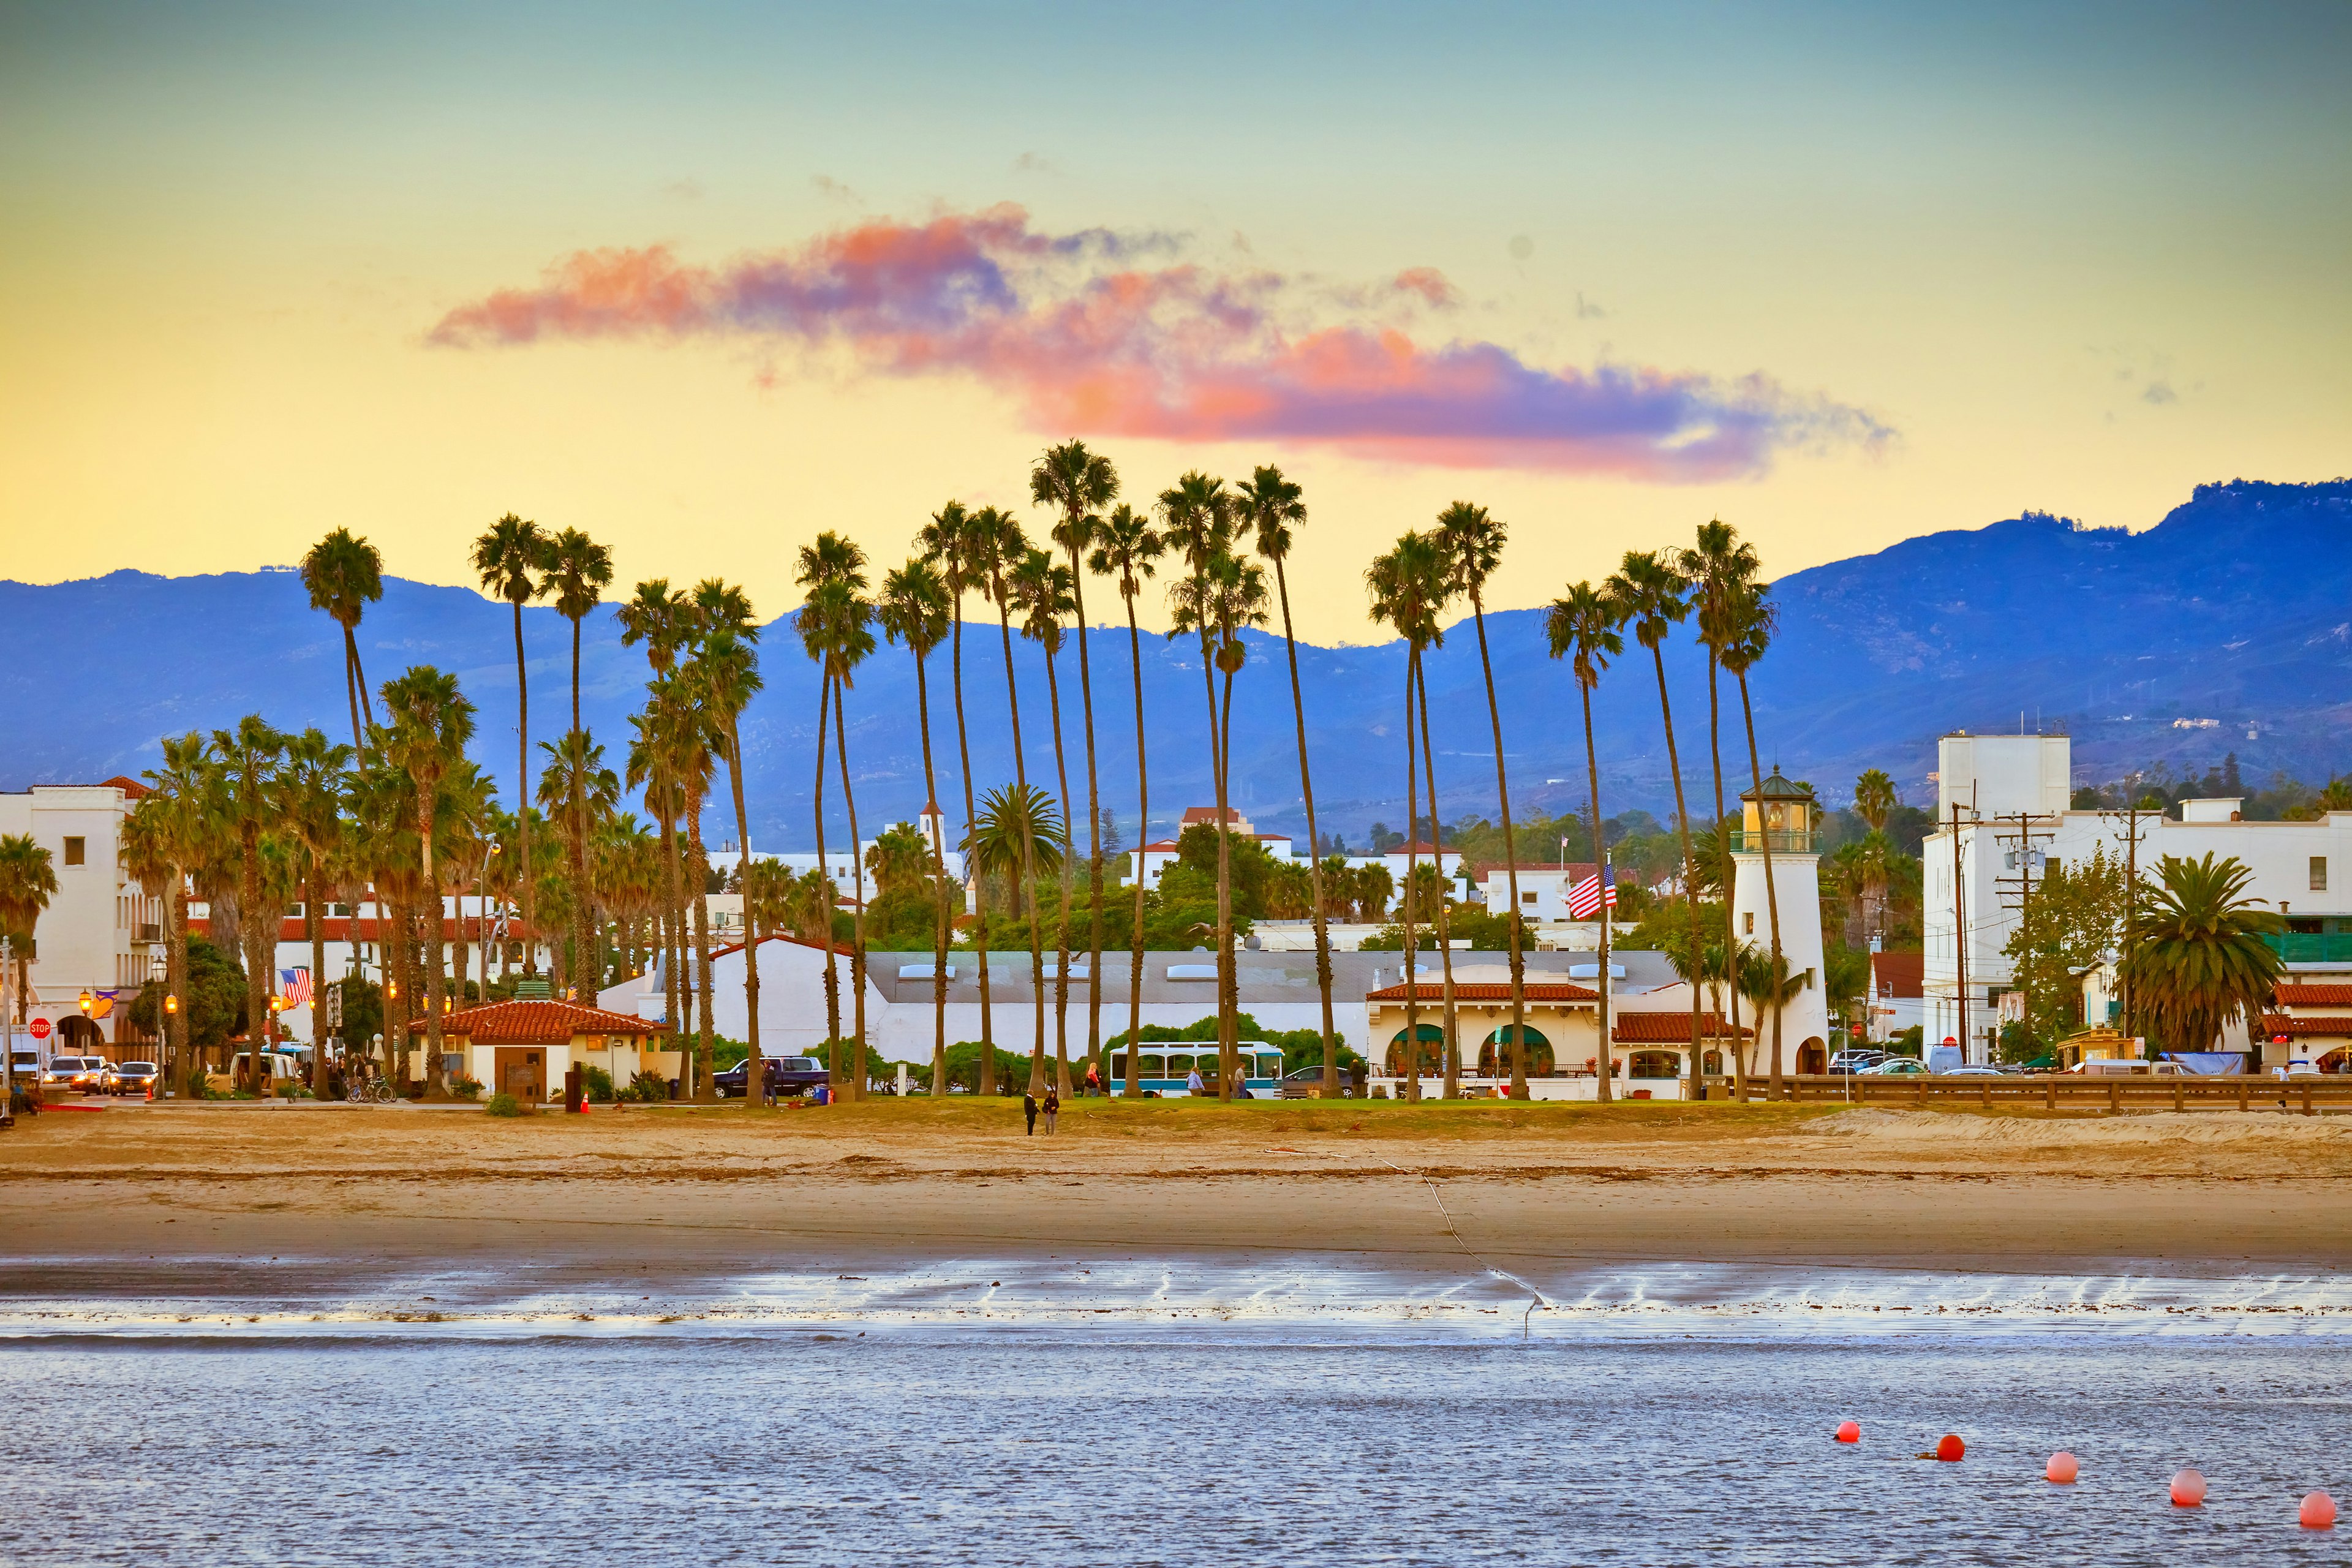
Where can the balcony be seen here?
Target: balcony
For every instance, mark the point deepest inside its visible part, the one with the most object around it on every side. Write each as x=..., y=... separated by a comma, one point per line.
x=1782, y=841
x=2311, y=947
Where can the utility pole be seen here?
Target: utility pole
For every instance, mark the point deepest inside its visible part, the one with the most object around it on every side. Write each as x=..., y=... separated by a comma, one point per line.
x=2131, y=903
x=1959, y=940
x=2023, y=880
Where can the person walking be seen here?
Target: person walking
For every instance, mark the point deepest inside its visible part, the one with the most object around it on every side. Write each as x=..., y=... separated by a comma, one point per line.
x=1192, y=1084
x=1093, y=1078
x=1053, y=1109
x=1029, y=1110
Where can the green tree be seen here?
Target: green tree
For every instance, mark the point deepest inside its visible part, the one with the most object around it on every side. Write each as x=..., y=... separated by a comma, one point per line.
x=1749, y=621
x=213, y=1007
x=344, y=574
x=664, y=622
x=428, y=723
x=913, y=611
x=1126, y=546
x=2197, y=959
x=1407, y=585
x=578, y=571
x=2072, y=924
x=1045, y=592
x=245, y=774
x=1582, y=627
x=1718, y=567
x=311, y=788
x=832, y=561
x=508, y=558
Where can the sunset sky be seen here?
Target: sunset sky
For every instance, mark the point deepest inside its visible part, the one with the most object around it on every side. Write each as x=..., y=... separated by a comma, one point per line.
x=703, y=280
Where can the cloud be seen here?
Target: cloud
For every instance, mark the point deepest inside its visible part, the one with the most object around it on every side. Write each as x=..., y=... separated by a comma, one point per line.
x=1106, y=333
x=2158, y=393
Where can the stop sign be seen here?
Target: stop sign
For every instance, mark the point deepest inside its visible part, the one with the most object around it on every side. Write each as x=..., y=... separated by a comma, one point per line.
x=40, y=1028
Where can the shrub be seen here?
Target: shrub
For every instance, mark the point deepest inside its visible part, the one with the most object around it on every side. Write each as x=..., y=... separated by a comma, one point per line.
x=648, y=1087
x=503, y=1105
x=466, y=1089
x=596, y=1084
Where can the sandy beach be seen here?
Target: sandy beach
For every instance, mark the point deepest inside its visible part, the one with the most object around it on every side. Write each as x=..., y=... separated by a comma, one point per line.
x=181, y=1200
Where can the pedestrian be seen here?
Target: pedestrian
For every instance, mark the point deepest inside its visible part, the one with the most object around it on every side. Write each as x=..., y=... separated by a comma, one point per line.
x=1029, y=1110
x=1192, y=1084
x=1053, y=1109
x=1093, y=1078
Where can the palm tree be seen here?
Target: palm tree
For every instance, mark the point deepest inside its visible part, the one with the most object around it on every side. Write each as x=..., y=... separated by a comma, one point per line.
x=1270, y=507
x=428, y=725
x=649, y=769
x=998, y=547
x=846, y=623
x=311, y=788
x=181, y=798
x=576, y=780
x=506, y=557
x=247, y=769
x=27, y=885
x=1475, y=541
x=951, y=542
x=730, y=673
x=1079, y=484
x=344, y=574
x=1764, y=979
x=1717, y=566
x=578, y=571
x=831, y=559
x=681, y=736
x=1441, y=899
x=1652, y=588
x=1018, y=834
x=1045, y=592
x=1582, y=628
x=664, y=622
x=1748, y=621
x=1875, y=801
x=2197, y=959
x=1403, y=584
x=913, y=610
x=1126, y=545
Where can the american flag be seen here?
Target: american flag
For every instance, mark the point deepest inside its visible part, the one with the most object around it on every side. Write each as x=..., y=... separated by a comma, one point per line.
x=294, y=984
x=1585, y=899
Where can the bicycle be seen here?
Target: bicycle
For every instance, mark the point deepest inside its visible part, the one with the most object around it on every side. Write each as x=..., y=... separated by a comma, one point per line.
x=378, y=1091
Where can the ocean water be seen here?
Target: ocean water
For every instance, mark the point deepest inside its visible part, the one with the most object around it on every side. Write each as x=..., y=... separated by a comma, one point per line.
x=1028, y=1437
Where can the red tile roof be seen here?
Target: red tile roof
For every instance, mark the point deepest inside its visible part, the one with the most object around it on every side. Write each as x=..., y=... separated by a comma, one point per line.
x=539, y=1023
x=1898, y=974
x=1487, y=991
x=340, y=928
x=1668, y=1028
x=1193, y=814
x=2320, y=1027
x=2315, y=995
x=132, y=788
x=1420, y=846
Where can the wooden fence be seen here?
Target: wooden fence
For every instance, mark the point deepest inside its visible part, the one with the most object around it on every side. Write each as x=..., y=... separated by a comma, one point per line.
x=2052, y=1092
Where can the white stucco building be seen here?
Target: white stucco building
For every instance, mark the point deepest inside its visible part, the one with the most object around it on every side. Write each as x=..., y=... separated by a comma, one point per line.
x=100, y=934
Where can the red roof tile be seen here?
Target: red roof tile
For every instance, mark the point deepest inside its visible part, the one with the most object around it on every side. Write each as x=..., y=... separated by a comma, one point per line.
x=539, y=1023
x=131, y=787
x=2315, y=995
x=1487, y=991
x=1668, y=1028
x=2319, y=1027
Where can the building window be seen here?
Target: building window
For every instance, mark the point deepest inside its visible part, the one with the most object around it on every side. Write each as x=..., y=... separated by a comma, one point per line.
x=2318, y=872
x=1747, y=926
x=1526, y=897
x=76, y=851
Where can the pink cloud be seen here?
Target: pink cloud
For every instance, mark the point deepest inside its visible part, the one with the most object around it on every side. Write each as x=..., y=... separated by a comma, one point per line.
x=1085, y=342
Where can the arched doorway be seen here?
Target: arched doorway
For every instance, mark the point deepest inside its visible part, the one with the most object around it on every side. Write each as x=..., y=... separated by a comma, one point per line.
x=1493, y=1061
x=2338, y=1060
x=1433, y=1052
x=78, y=1036
x=1813, y=1056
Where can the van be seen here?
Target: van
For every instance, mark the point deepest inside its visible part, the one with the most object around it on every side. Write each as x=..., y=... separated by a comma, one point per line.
x=2128, y=1066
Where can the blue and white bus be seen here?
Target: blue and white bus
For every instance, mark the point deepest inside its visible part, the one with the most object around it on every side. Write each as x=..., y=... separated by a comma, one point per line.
x=1166, y=1066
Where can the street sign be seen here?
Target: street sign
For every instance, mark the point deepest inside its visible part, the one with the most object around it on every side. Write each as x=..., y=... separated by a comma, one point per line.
x=335, y=1005
x=40, y=1027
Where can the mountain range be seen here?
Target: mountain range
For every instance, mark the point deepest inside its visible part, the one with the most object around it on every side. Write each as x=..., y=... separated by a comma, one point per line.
x=2226, y=626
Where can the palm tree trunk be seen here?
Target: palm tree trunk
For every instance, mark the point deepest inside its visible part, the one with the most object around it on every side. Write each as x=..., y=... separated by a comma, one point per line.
x=1444, y=935
x=256, y=956
x=1779, y=1090
x=753, y=1074
x=1314, y=843
x=435, y=1086
x=857, y=906
x=522, y=798
x=1412, y=972
x=1225, y=885
x=680, y=987
x=1608, y=878
x=1062, y=927
x=589, y=974
x=823, y=880
x=1729, y=874
x=986, y=1081
x=1142, y=836
x=317, y=935
x=1229, y=998
x=176, y=977
x=939, y=882
x=354, y=688
x=1510, y=855
x=703, y=1093
x=1094, y=824
x=1028, y=871
x=1690, y=870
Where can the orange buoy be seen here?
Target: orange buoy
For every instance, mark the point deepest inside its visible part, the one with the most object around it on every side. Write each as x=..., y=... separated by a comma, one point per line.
x=2318, y=1511
x=1950, y=1449
x=1849, y=1432
x=2188, y=1490
x=2061, y=1469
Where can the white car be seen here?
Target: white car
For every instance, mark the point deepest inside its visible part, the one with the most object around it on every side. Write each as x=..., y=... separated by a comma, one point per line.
x=1895, y=1067
x=78, y=1073
x=1972, y=1072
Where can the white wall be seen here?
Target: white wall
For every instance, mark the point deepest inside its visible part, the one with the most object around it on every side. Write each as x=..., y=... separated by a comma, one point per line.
x=85, y=938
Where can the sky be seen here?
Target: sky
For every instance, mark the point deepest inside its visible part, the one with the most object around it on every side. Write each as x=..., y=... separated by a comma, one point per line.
x=703, y=280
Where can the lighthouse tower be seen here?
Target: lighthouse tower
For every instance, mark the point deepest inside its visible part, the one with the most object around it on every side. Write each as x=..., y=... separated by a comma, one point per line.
x=1785, y=818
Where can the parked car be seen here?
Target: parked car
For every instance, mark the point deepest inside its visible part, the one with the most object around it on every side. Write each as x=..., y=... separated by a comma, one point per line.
x=1895, y=1067
x=80, y=1074
x=2126, y=1067
x=792, y=1076
x=1973, y=1072
x=1853, y=1062
x=1306, y=1083
x=129, y=1078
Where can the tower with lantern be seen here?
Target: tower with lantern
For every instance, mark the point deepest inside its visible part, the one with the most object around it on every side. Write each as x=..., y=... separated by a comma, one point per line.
x=1786, y=817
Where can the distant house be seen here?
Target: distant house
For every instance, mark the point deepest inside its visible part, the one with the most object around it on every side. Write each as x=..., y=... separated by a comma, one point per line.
x=1544, y=887
x=1895, y=1002
x=2316, y=1021
x=524, y=1048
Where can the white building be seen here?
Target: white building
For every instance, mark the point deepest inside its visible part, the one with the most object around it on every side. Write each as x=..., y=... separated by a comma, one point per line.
x=1780, y=817
x=101, y=933
x=1154, y=858
x=2003, y=816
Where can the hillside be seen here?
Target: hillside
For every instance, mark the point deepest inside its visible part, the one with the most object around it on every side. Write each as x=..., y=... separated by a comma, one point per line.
x=2237, y=607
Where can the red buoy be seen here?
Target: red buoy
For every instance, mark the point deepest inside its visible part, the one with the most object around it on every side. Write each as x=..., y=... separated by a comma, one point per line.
x=1849, y=1432
x=2061, y=1469
x=1951, y=1448
x=2318, y=1511
x=2188, y=1490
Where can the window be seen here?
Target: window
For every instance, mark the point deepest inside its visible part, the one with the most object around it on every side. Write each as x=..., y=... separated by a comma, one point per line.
x=77, y=850
x=1526, y=897
x=2318, y=872
x=1748, y=927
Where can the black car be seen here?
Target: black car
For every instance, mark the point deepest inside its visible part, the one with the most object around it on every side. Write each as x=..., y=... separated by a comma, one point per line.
x=790, y=1076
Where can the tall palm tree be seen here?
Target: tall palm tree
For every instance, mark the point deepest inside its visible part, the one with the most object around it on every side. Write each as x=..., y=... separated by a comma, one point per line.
x=578, y=571
x=1126, y=545
x=1717, y=566
x=1439, y=894
x=1652, y=590
x=844, y=620
x=730, y=673
x=247, y=769
x=913, y=611
x=1582, y=628
x=27, y=883
x=1749, y=620
x=1403, y=584
x=1017, y=836
x=831, y=559
x=649, y=769
x=952, y=543
x=1475, y=541
x=1078, y=484
x=998, y=545
x=575, y=781
x=344, y=574
x=664, y=622
x=180, y=795
x=1764, y=979
x=1270, y=507
x=428, y=724
x=681, y=733
x=2197, y=959
x=1045, y=591
x=509, y=558
x=310, y=788
x=1875, y=801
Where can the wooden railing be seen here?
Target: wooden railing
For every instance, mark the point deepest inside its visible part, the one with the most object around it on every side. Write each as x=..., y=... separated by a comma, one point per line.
x=2052, y=1092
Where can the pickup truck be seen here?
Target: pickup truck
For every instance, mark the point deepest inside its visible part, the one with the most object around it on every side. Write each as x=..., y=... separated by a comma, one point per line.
x=794, y=1077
